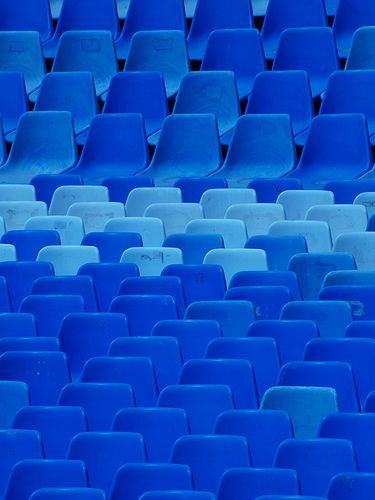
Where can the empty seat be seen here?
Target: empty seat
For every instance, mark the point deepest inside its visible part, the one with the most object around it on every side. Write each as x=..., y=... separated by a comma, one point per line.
x=310, y=49
x=29, y=344
x=44, y=143
x=192, y=188
x=361, y=329
x=22, y=16
x=84, y=336
x=198, y=451
x=87, y=50
x=67, y=259
x=175, y=216
x=194, y=246
x=65, y=196
x=46, y=419
x=269, y=189
x=356, y=278
x=163, y=51
x=215, y=202
x=202, y=403
x=13, y=100
x=352, y=484
x=188, y=147
x=17, y=192
x=29, y=243
x=361, y=53
x=150, y=229
x=366, y=199
x=13, y=397
x=69, y=229
x=152, y=260
x=95, y=215
x=45, y=184
x=258, y=217
x=16, y=213
x=101, y=401
x=260, y=297
x=306, y=406
x=141, y=198
x=359, y=297
x=17, y=325
x=297, y=203
x=360, y=245
x=115, y=146
x=331, y=316
x=316, y=233
x=233, y=231
x=7, y=252
x=279, y=249
x=265, y=278
x=347, y=191
x=119, y=188
x=112, y=245
x=229, y=49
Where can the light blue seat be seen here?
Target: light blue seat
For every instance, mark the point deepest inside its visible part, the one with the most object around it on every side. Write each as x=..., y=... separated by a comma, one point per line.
x=360, y=245
x=67, y=259
x=233, y=232
x=13, y=100
x=193, y=188
x=15, y=213
x=296, y=203
x=152, y=260
x=45, y=184
x=70, y=229
x=112, y=245
x=7, y=252
x=139, y=199
x=150, y=229
x=316, y=233
x=175, y=216
x=215, y=202
x=17, y=192
x=120, y=187
x=361, y=54
x=366, y=198
x=65, y=196
x=95, y=215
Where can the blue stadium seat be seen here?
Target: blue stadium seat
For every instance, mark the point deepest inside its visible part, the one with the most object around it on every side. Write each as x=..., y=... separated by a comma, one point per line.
x=291, y=336
x=17, y=192
x=107, y=278
x=370, y=403
x=212, y=15
x=264, y=431
x=46, y=420
x=138, y=372
x=45, y=184
x=297, y=203
x=25, y=16
x=162, y=51
x=14, y=214
x=95, y=215
x=355, y=485
x=358, y=296
x=175, y=216
x=262, y=146
x=250, y=483
x=347, y=191
x=29, y=243
x=83, y=16
x=233, y=232
x=17, y=325
x=120, y=187
x=13, y=100
x=152, y=260
x=281, y=15
x=50, y=310
x=13, y=397
x=29, y=344
x=269, y=189
x=216, y=202
x=265, y=278
x=5, y=296
x=192, y=188
x=160, y=428
x=151, y=16
x=238, y=374
x=311, y=270
x=306, y=406
x=150, y=229
x=101, y=401
x=84, y=336
x=67, y=259
x=111, y=246
x=141, y=198
x=194, y=247
x=309, y=49
x=199, y=282
x=316, y=233
x=361, y=51
x=28, y=476
x=69, y=494
x=139, y=92
x=279, y=249
x=366, y=199
x=44, y=372
x=44, y=143
x=202, y=403
x=210, y=456
x=360, y=245
x=337, y=375
x=326, y=157
x=234, y=316
x=70, y=229
x=134, y=479
x=158, y=307
x=193, y=336
x=361, y=329
x=359, y=353
x=284, y=92
x=116, y=145
x=92, y=51
x=259, y=7
x=316, y=461
x=257, y=217
x=104, y=453
x=229, y=49
x=340, y=218
x=261, y=353
x=188, y=147
x=7, y=252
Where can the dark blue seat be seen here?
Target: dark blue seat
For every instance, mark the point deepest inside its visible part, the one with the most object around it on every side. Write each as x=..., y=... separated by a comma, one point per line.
x=111, y=246
x=361, y=329
x=238, y=374
x=291, y=336
x=134, y=479
x=178, y=495
x=136, y=371
x=359, y=353
x=316, y=461
x=354, y=484
x=371, y=224
x=279, y=249
x=264, y=431
x=202, y=403
x=120, y=187
x=163, y=351
x=45, y=184
x=361, y=49
x=107, y=278
x=5, y=296
x=104, y=453
x=312, y=268
x=309, y=49
x=347, y=191
x=101, y=401
x=13, y=397
x=160, y=428
x=17, y=325
x=193, y=336
x=194, y=246
x=358, y=296
x=45, y=373
x=210, y=456
x=29, y=344
x=28, y=243
x=268, y=190
x=229, y=49
x=13, y=100
x=69, y=494
x=192, y=188
x=28, y=476
x=250, y=483
x=158, y=307
x=268, y=300
x=265, y=278
x=84, y=336
x=57, y=426
x=25, y=16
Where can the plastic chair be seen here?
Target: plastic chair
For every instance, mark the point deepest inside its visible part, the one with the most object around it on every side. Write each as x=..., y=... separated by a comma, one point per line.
x=46, y=419
x=360, y=329
x=355, y=483
x=104, y=453
x=175, y=216
x=112, y=245
x=67, y=259
x=152, y=260
x=311, y=270
x=216, y=202
x=202, y=403
x=198, y=452
x=194, y=246
x=234, y=316
x=265, y=278
x=69, y=229
x=269, y=189
x=160, y=428
x=188, y=147
x=297, y=203
x=347, y=191
x=233, y=232
x=28, y=243
x=13, y=397
x=229, y=49
x=361, y=53
x=29, y=344
x=101, y=401
x=5, y=298
x=119, y=188
x=268, y=300
x=141, y=198
x=316, y=233
x=366, y=199
x=192, y=189
x=17, y=192
x=15, y=213
x=69, y=494
x=360, y=246
x=163, y=51
x=13, y=100
x=316, y=461
x=358, y=296
x=23, y=16
x=7, y=252
x=17, y=325
x=262, y=146
x=309, y=49
x=279, y=249
x=95, y=215
x=45, y=184
x=88, y=50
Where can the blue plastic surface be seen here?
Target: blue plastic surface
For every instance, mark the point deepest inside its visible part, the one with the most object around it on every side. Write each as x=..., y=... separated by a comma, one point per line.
x=265, y=278
x=362, y=49
x=194, y=246
x=45, y=184
x=69, y=494
x=268, y=300
x=355, y=485
x=25, y=16
x=358, y=296
x=29, y=344
x=13, y=100
x=120, y=187
x=28, y=243
x=13, y=397
x=268, y=190
x=111, y=246
x=17, y=325
x=279, y=249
